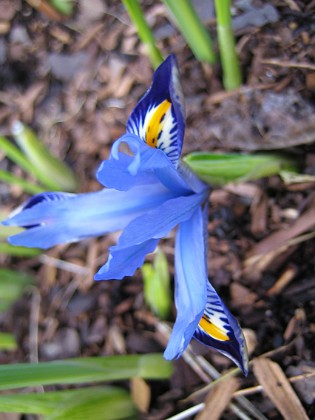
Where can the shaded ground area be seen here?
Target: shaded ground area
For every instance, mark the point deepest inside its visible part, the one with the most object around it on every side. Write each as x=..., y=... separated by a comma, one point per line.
x=75, y=82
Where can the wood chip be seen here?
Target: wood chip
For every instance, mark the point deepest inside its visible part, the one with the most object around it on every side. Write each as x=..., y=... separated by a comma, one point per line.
x=278, y=389
x=286, y=277
x=218, y=399
x=295, y=324
x=281, y=238
x=258, y=211
x=141, y=394
x=48, y=10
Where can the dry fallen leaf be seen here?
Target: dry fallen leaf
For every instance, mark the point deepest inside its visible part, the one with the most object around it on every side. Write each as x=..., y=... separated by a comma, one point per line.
x=141, y=394
x=218, y=399
x=264, y=252
x=277, y=387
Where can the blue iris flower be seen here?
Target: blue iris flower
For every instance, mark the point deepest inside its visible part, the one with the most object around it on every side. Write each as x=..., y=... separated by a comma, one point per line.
x=148, y=192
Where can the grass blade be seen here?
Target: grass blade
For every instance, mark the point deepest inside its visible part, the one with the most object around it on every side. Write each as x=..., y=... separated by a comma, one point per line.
x=86, y=403
x=49, y=170
x=192, y=29
x=232, y=78
x=13, y=153
x=27, y=186
x=90, y=369
x=145, y=34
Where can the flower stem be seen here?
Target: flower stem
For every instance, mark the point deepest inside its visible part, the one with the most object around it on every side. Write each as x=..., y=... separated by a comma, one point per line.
x=192, y=29
x=145, y=34
x=230, y=64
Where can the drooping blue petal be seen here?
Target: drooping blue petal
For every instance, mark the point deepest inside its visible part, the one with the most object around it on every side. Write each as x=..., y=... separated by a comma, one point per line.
x=54, y=218
x=159, y=221
x=125, y=261
x=190, y=283
x=143, y=233
x=159, y=117
x=220, y=330
x=144, y=165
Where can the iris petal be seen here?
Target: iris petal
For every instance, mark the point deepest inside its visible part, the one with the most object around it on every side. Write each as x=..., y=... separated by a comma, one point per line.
x=72, y=217
x=220, y=330
x=158, y=222
x=190, y=283
x=159, y=117
x=124, y=261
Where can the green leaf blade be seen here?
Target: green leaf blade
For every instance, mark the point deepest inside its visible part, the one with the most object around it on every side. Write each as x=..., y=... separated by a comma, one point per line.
x=192, y=29
x=220, y=169
x=86, y=403
x=49, y=170
x=85, y=370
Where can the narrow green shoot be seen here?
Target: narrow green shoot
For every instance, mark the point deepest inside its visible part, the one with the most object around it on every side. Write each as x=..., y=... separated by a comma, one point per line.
x=65, y=7
x=220, y=169
x=7, y=342
x=18, y=251
x=157, y=290
x=13, y=153
x=145, y=34
x=84, y=369
x=232, y=78
x=12, y=285
x=94, y=403
x=192, y=29
x=49, y=170
x=27, y=186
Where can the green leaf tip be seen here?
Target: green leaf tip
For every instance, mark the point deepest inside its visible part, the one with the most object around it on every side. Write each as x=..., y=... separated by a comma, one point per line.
x=220, y=169
x=85, y=370
x=157, y=291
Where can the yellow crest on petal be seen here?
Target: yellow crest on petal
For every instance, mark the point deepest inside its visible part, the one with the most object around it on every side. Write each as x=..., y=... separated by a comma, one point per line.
x=156, y=123
x=212, y=329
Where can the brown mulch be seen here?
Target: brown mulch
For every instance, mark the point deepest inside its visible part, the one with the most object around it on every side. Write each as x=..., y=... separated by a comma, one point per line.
x=75, y=81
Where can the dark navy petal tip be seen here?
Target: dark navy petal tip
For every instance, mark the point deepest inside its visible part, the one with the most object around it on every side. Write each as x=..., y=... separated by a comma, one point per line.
x=159, y=117
x=218, y=329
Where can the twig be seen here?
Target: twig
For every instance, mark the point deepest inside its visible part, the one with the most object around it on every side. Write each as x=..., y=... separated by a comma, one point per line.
x=208, y=372
x=64, y=265
x=33, y=329
x=258, y=388
x=189, y=412
x=291, y=64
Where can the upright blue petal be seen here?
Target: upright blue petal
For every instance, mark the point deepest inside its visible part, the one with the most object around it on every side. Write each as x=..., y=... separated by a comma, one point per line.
x=220, y=330
x=190, y=283
x=54, y=218
x=159, y=117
